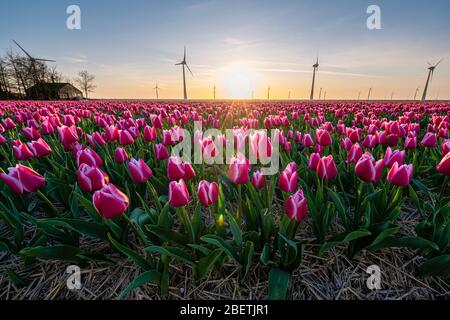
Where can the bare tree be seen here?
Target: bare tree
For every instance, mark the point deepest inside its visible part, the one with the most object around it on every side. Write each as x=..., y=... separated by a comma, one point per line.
x=86, y=81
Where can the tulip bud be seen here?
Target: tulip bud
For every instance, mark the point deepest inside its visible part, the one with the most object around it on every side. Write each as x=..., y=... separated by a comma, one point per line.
x=120, y=155
x=289, y=178
x=207, y=193
x=239, y=169
x=326, y=168
x=161, y=152
x=444, y=166
x=258, y=180
x=400, y=175
x=296, y=206
x=110, y=202
x=22, y=179
x=178, y=194
x=139, y=170
x=91, y=179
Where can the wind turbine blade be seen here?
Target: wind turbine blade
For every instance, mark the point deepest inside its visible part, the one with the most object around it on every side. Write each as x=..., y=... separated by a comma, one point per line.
x=189, y=69
x=179, y=64
x=45, y=60
x=439, y=62
x=28, y=55
x=184, y=56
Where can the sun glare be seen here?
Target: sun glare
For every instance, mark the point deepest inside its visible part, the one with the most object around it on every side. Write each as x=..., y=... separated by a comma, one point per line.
x=238, y=81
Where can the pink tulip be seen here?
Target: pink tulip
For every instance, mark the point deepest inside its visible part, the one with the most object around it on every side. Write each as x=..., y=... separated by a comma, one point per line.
x=355, y=153
x=178, y=194
x=307, y=140
x=313, y=161
x=207, y=193
x=393, y=156
x=400, y=175
x=110, y=202
x=326, y=168
x=289, y=178
x=90, y=157
x=368, y=170
x=22, y=151
x=444, y=166
x=161, y=152
x=40, y=148
x=68, y=136
x=258, y=180
x=30, y=133
x=429, y=140
x=323, y=137
x=149, y=134
x=410, y=143
x=296, y=206
x=167, y=138
x=445, y=148
x=125, y=138
x=139, y=170
x=22, y=179
x=239, y=169
x=259, y=145
x=120, y=155
x=91, y=179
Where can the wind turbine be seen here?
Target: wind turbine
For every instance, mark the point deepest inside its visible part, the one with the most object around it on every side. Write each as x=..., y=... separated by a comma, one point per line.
x=429, y=78
x=289, y=95
x=214, y=92
x=325, y=96
x=320, y=94
x=268, y=93
x=415, y=94
x=157, y=90
x=370, y=92
x=184, y=64
x=359, y=95
x=315, y=68
x=392, y=95
x=33, y=61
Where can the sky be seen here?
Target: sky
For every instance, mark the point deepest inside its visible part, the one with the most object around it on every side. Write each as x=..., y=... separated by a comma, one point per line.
x=241, y=46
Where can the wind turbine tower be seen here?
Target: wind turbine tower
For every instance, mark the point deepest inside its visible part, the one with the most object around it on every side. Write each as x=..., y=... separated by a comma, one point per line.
x=157, y=90
x=315, y=68
x=429, y=78
x=184, y=64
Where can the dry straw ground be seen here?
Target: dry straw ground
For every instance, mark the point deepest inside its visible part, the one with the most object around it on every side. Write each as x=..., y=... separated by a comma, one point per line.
x=331, y=276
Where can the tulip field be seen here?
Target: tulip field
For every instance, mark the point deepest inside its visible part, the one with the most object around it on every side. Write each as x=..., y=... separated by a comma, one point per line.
x=356, y=178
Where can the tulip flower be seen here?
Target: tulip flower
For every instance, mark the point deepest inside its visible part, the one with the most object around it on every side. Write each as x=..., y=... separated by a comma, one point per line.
x=289, y=178
x=167, y=138
x=110, y=202
x=125, y=138
x=444, y=166
x=400, y=175
x=139, y=170
x=149, y=134
x=22, y=180
x=445, y=147
x=8, y=124
x=40, y=148
x=22, y=151
x=178, y=194
x=120, y=155
x=258, y=180
x=313, y=161
x=91, y=179
x=368, y=170
x=89, y=157
x=161, y=152
x=207, y=193
x=2, y=140
x=326, y=168
x=346, y=143
x=354, y=154
x=393, y=156
x=429, y=140
x=30, y=133
x=410, y=143
x=259, y=145
x=47, y=128
x=239, y=169
x=68, y=136
x=323, y=137
x=296, y=206
x=307, y=140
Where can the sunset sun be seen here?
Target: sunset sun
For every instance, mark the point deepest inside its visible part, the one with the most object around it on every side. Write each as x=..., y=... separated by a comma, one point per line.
x=238, y=81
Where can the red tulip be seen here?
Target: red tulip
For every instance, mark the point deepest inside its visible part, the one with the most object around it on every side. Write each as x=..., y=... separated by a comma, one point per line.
x=139, y=170
x=445, y=148
x=400, y=175
x=47, y=128
x=296, y=206
x=125, y=138
x=307, y=140
x=326, y=168
x=161, y=152
x=289, y=178
x=91, y=179
x=258, y=180
x=40, y=148
x=2, y=140
x=8, y=124
x=110, y=202
x=21, y=151
x=429, y=140
x=68, y=136
x=207, y=193
x=323, y=137
x=89, y=157
x=209, y=149
x=368, y=170
x=393, y=156
x=120, y=155
x=444, y=166
x=239, y=169
x=313, y=161
x=346, y=143
x=21, y=179
x=175, y=168
x=30, y=133
x=410, y=142
x=167, y=138
x=97, y=139
x=355, y=153
x=178, y=194
x=259, y=145
x=149, y=134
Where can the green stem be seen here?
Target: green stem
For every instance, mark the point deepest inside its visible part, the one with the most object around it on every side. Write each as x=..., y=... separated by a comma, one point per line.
x=154, y=196
x=53, y=209
x=443, y=188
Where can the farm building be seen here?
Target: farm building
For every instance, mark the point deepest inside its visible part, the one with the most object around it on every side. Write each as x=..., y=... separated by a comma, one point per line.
x=54, y=91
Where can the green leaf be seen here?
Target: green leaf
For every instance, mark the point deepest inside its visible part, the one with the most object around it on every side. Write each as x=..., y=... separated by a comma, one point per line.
x=57, y=252
x=167, y=234
x=265, y=256
x=406, y=242
x=206, y=263
x=235, y=230
x=173, y=252
x=17, y=280
x=88, y=206
x=151, y=276
x=438, y=266
x=343, y=238
x=141, y=262
x=223, y=245
x=278, y=284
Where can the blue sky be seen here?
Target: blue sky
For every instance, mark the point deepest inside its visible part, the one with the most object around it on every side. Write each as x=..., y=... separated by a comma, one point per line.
x=240, y=46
